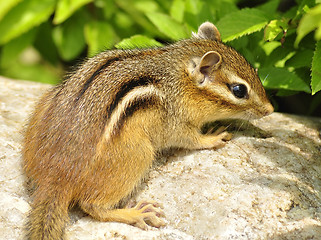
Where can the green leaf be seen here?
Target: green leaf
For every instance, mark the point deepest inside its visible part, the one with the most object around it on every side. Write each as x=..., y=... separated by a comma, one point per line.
x=177, y=10
x=300, y=59
x=69, y=37
x=196, y=12
x=137, y=17
x=168, y=26
x=316, y=69
x=281, y=78
x=99, y=36
x=5, y=6
x=305, y=5
x=45, y=45
x=65, y=8
x=285, y=93
x=269, y=7
x=23, y=17
x=274, y=28
x=220, y=8
x=11, y=50
x=278, y=56
x=108, y=6
x=269, y=47
x=309, y=22
x=146, y=6
x=242, y=22
x=137, y=41
x=193, y=6
x=38, y=72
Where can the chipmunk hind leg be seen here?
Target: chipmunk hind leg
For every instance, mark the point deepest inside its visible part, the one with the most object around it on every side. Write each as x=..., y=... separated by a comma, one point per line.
x=120, y=174
x=143, y=214
x=121, y=162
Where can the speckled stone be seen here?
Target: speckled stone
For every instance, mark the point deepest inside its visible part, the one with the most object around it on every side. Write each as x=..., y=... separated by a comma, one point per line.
x=264, y=184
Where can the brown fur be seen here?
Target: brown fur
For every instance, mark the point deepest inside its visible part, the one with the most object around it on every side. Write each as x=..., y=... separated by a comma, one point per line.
x=73, y=153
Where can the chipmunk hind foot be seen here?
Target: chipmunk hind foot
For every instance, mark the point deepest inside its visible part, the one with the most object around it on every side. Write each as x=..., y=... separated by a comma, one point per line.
x=143, y=214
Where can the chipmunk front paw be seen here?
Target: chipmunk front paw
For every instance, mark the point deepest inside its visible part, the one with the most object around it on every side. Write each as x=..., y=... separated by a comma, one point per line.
x=215, y=140
x=221, y=139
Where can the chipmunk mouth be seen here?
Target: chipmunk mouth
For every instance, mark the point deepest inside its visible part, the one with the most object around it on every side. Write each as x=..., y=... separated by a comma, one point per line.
x=268, y=109
x=263, y=111
x=254, y=113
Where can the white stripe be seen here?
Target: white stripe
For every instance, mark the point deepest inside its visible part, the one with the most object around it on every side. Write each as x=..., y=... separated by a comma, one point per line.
x=136, y=93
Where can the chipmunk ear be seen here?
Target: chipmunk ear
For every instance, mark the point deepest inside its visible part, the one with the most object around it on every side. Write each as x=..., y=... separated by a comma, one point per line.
x=209, y=62
x=208, y=31
x=201, y=68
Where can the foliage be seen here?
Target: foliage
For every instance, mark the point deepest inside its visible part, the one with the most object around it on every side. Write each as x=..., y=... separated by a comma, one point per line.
x=284, y=44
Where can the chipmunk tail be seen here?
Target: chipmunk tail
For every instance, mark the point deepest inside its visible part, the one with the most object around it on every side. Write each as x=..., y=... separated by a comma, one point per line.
x=48, y=217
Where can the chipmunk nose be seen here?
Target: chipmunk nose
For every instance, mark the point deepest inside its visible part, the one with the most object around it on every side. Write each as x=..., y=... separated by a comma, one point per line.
x=268, y=109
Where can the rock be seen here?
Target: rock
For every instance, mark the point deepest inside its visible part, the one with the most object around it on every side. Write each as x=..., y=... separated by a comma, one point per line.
x=264, y=184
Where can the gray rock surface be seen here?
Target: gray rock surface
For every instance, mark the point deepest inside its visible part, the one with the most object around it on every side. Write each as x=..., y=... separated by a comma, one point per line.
x=264, y=184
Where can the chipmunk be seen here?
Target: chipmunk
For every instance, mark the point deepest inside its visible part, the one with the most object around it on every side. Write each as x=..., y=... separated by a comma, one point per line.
x=92, y=139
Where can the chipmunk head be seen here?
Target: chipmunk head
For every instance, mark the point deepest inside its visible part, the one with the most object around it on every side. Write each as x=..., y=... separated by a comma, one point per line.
x=226, y=79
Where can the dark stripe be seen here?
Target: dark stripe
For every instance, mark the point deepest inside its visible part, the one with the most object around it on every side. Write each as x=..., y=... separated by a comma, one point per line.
x=137, y=105
x=216, y=99
x=94, y=75
x=126, y=88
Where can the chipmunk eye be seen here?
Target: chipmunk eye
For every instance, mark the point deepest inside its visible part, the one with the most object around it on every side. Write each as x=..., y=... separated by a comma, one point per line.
x=239, y=90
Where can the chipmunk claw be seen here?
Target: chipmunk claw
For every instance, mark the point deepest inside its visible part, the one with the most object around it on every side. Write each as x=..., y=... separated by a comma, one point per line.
x=148, y=213
x=216, y=140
